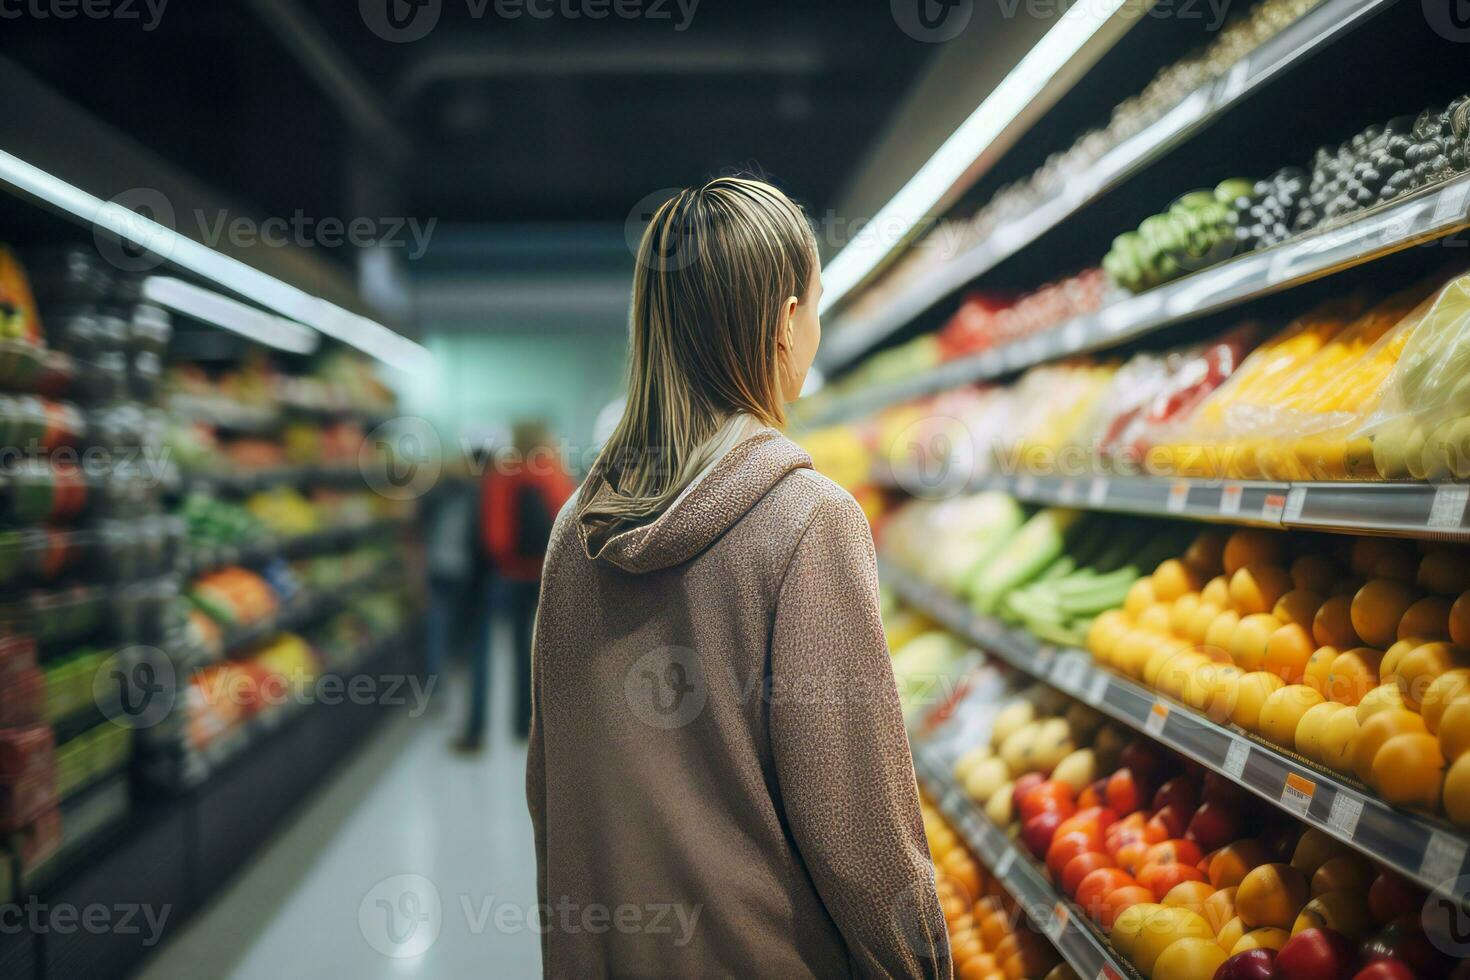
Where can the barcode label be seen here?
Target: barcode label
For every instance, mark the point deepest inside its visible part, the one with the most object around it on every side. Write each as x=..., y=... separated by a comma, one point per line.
x=1043, y=658
x=1098, y=689
x=1235, y=758
x=1297, y=793
x=1343, y=817
x=1273, y=507
x=1451, y=204
x=1067, y=492
x=1448, y=509
x=1442, y=857
x=1296, y=500
x=1069, y=670
x=1230, y=499
x=1157, y=716
x=1097, y=494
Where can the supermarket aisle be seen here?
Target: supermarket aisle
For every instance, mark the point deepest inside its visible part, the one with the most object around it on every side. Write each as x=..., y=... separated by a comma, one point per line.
x=308, y=905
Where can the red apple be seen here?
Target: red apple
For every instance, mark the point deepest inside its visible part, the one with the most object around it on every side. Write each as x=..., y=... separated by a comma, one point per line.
x=1037, y=832
x=1389, y=895
x=1167, y=824
x=1147, y=760
x=1385, y=970
x=1316, y=954
x=1218, y=789
x=1212, y=827
x=1404, y=939
x=1253, y=964
x=1050, y=795
x=1179, y=793
x=1023, y=786
x=1125, y=794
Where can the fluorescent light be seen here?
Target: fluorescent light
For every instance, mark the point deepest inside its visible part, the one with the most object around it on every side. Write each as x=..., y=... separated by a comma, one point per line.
x=220, y=310
x=928, y=187
x=366, y=335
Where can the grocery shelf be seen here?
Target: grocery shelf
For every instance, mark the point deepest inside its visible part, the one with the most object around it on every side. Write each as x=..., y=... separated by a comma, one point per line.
x=1309, y=34
x=249, y=481
x=1422, y=848
x=1060, y=920
x=1428, y=510
x=1421, y=217
x=308, y=607
x=261, y=550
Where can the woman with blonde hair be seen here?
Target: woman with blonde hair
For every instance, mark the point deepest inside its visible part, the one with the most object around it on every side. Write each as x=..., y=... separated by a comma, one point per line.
x=718, y=773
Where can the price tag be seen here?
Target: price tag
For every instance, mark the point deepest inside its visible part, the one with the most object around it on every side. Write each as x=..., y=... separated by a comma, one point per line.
x=1043, y=658
x=1178, y=497
x=1451, y=205
x=1448, y=509
x=1296, y=500
x=1230, y=499
x=1236, y=757
x=1272, y=507
x=1025, y=486
x=1004, y=862
x=1296, y=793
x=1067, y=492
x=1108, y=973
x=1443, y=857
x=1069, y=671
x=1157, y=715
x=1097, y=494
x=1056, y=924
x=1343, y=817
x=1097, y=689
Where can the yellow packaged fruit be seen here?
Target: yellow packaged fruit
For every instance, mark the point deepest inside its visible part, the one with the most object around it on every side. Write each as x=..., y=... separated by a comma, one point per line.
x=1408, y=770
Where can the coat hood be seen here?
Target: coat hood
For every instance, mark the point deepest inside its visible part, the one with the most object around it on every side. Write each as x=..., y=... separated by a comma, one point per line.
x=710, y=507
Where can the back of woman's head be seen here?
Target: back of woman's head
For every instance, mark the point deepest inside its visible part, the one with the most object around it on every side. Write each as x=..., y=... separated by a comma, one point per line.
x=715, y=269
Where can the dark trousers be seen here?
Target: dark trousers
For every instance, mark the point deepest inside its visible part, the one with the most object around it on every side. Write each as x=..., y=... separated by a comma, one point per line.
x=517, y=602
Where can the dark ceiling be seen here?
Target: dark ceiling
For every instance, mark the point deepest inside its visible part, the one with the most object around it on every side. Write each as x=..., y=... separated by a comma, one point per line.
x=488, y=118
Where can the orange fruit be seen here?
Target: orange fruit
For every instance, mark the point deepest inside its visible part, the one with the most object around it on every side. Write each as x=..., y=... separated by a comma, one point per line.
x=1287, y=651
x=1454, y=730
x=1155, y=619
x=1231, y=863
x=1369, y=555
x=1335, y=746
x=1256, y=587
x=1140, y=597
x=1430, y=616
x=1460, y=620
x=1179, y=612
x=1345, y=912
x=1313, y=725
x=1120, y=900
x=1161, y=879
x=1222, y=628
x=1173, y=578
x=1445, y=689
x=1345, y=872
x=1333, y=624
x=1162, y=929
x=1206, y=553
x=1457, y=791
x=1265, y=938
x=1191, y=895
x=1409, y=770
x=1377, y=609
x=1199, y=621
x=1282, y=710
x=1248, y=545
x=1388, y=668
x=1423, y=665
x=1105, y=632
x=1219, y=908
x=1128, y=925
x=1216, y=592
x=1352, y=675
x=1313, y=573
x=1251, y=692
x=1188, y=959
x=1315, y=848
x=1382, y=698
x=1248, y=641
x=1319, y=667
x=1271, y=896
x=1444, y=571
x=1230, y=934
x=1298, y=606
x=1373, y=733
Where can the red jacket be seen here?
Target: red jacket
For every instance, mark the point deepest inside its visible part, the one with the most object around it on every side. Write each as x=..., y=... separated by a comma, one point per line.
x=499, y=521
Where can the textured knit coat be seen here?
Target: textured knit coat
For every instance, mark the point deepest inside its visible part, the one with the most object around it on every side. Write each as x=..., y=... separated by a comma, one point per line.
x=718, y=772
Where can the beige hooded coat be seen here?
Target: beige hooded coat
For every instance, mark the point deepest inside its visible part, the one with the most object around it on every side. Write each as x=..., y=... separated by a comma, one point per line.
x=718, y=772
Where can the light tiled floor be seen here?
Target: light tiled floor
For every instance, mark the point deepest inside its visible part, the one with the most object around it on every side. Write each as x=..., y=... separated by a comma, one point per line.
x=416, y=862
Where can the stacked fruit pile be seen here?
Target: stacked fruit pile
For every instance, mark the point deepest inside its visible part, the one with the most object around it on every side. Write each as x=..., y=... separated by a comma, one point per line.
x=1198, y=230
x=1354, y=652
x=1163, y=856
x=988, y=937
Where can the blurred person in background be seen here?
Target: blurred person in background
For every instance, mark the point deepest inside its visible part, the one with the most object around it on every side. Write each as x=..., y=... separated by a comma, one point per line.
x=716, y=726
x=451, y=515
x=519, y=503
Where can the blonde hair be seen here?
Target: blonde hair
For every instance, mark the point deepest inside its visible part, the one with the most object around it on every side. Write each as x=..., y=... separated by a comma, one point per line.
x=714, y=269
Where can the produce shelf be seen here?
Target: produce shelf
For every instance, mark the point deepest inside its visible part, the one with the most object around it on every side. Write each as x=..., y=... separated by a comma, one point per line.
x=1060, y=920
x=1424, y=510
x=1422, y=848
x=249, y=481
x=1309, y=34
x=1421, y=217
x=262, y=550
